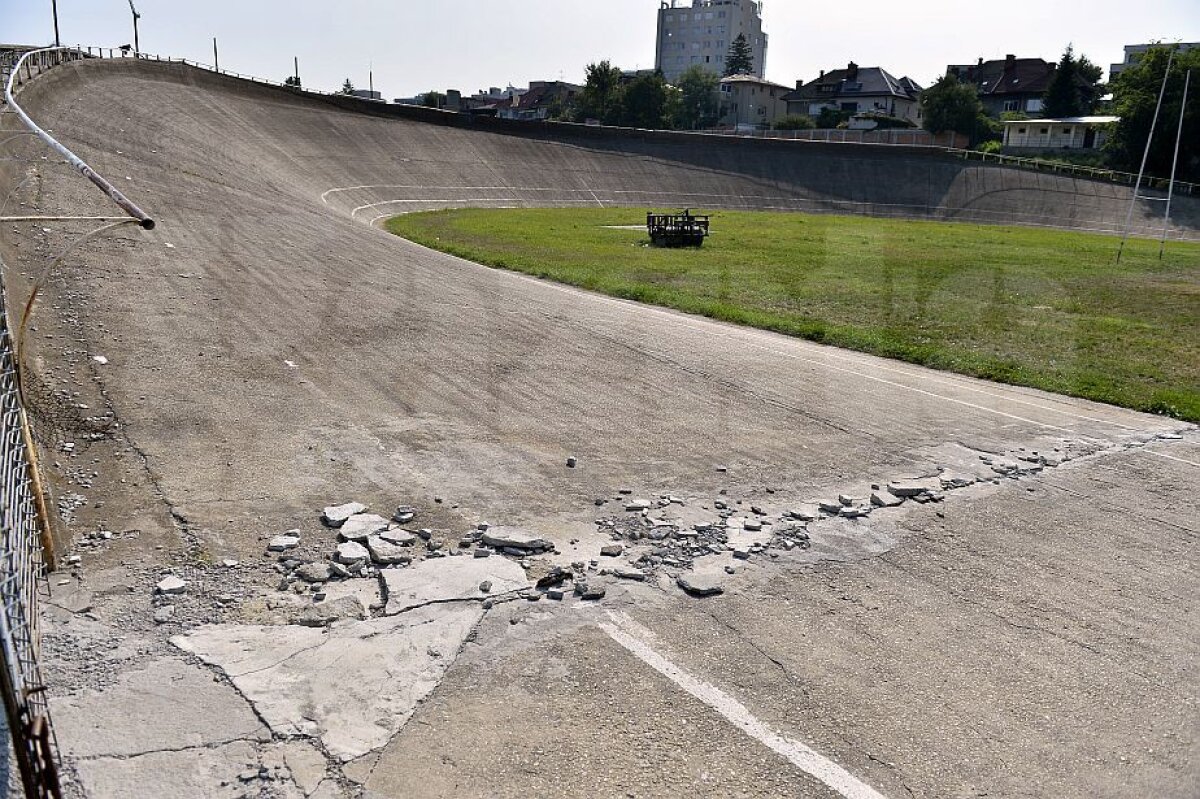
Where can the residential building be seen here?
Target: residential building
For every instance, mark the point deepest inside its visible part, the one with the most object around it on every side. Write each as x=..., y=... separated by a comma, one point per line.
x=747, y=101
x=1010, y=85
x=1067, y=133
x=542, y=99
x=859, y=90
x=1134, y=51
x=699, y=32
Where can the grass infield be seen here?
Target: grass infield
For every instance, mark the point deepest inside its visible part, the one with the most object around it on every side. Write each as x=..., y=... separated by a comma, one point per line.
x=1031, y=307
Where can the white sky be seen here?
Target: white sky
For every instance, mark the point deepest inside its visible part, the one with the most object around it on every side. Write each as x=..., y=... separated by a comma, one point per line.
x=473, y=44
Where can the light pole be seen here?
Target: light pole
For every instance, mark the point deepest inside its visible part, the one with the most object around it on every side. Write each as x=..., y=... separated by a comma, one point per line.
x=54, y=8
x=136, y=16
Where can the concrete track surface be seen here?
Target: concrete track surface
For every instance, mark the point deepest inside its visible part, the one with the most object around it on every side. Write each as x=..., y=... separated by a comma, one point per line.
x=267, y=352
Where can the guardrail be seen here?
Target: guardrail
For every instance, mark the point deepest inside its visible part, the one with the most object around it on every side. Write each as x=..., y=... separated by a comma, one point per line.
x=1077, y=170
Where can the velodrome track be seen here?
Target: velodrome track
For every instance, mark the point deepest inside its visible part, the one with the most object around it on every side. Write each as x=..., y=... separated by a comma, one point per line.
x=269, y=352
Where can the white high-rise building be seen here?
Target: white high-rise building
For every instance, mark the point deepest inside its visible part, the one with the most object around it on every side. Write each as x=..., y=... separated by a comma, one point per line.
x=699, y=32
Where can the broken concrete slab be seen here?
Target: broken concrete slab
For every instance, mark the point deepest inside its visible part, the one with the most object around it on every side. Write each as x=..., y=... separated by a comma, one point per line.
x=171, y=585
x=336, y=515
x=141, y=713
x=306, y=764
x=506, y=537
x=885, y=499
x=284, y=542
x=700, y=585
x=351, y=552
x=352, y=685
x=362, y=525
x=209, y=772
x=367, y=591
x=808, y=512
x=913, y=488
x=386, y=553
x=401, y=538
x=313, y=572
x=448, y=580
x=322, y=614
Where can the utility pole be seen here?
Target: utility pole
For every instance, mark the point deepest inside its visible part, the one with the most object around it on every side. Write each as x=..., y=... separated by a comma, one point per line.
x=136, y=16
x=296, y=66
x=216, y=58
x=54, y=8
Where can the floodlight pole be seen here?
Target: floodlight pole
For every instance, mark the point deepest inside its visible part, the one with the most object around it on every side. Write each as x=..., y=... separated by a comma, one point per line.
x=216, y=58
x=1174, y=165
x=136, y=16
x=54, y=9
x=1145, y=155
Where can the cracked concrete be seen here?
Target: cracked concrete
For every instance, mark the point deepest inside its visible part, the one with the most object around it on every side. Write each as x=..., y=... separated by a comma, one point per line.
x=353, y=685
x=141, y=714
x=955, y=665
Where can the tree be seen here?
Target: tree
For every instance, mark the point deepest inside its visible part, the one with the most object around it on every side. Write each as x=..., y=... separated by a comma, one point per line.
x=700, y=98
x=644, y=103
x=347, y=87
x=950, y=105
x=740, y=59
x=292, y=80
x=601, y=95
x=1063, y=98
x=1075, y=87
x=433, y=99
x=1135, y=94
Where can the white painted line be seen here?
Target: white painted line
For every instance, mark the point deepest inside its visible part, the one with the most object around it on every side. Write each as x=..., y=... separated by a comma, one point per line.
x=1168, y=457
x=623, y=630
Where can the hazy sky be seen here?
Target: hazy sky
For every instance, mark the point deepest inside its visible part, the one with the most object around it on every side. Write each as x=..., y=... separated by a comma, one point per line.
x=472, y=44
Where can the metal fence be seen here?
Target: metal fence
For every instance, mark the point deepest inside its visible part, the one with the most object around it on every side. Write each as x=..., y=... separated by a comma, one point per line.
x=26, y=550
x=22, y=579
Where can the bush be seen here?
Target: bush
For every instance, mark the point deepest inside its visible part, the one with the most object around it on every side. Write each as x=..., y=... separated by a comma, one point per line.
x=795, y=122
x=990, y=146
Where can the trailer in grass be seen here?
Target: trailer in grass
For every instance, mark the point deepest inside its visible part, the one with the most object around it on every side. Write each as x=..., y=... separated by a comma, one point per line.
x=677, y=230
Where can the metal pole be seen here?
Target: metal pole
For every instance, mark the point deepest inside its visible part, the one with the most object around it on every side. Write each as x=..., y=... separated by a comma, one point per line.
x=137, y=48
x=296, y=66
x=216, y=59
x=54, y=8
x=1137, y=186
x=1174, y=164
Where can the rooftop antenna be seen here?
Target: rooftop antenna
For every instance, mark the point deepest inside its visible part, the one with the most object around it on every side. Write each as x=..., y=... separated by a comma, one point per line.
x=1174, y=165
x=1145, y=156
x=136, y=16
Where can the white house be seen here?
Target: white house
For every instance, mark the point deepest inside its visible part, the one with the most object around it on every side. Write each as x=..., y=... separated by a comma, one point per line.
x=1068, y=133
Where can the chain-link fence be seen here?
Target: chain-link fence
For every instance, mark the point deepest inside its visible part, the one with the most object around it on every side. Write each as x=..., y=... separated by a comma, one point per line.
x=21, y=580
x=33, y=755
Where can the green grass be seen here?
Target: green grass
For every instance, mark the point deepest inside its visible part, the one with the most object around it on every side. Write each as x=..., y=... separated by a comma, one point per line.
x=1032, y=307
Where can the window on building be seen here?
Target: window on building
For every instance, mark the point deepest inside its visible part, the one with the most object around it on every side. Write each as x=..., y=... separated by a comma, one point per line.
x=1012, y=105
x=1021, y=130
x=1033, y=105
x=849, y=106
x=1067, y=131
x=1044, y=131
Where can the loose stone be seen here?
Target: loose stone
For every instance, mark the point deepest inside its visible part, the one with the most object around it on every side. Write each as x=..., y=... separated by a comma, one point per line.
x=171, y=585
x=336, y=515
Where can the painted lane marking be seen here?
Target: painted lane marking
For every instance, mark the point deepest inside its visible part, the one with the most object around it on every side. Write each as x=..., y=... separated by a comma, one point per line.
x=623, y=629
x=1168, y=457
